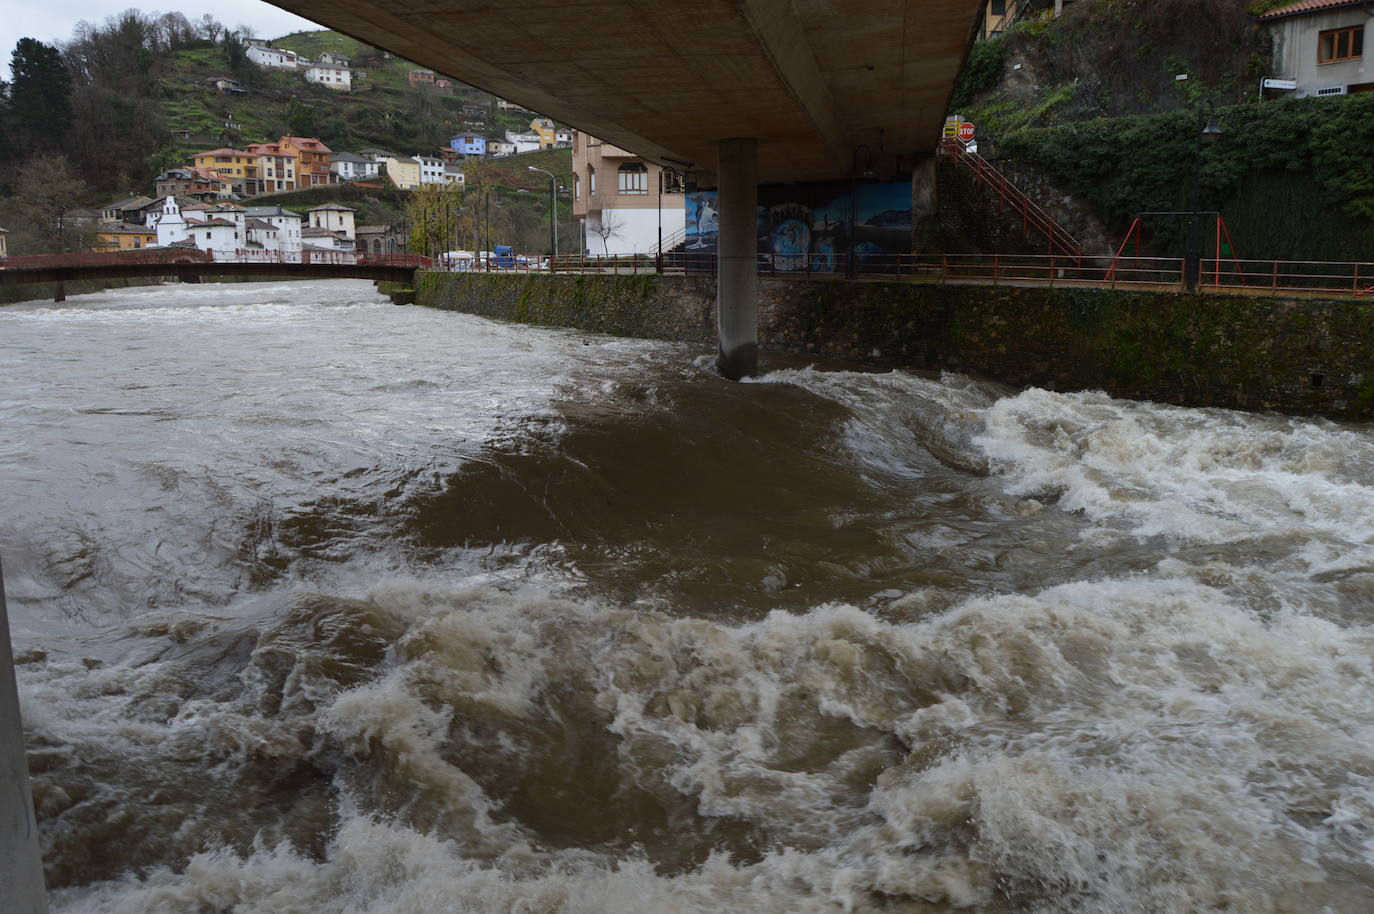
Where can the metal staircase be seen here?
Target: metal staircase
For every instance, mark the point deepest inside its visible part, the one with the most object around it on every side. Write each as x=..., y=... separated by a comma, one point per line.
x=1057, y=238
x=670, y=243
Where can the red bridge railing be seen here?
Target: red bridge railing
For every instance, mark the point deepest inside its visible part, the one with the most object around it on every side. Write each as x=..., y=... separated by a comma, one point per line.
x=175, y=256
x=147, y=255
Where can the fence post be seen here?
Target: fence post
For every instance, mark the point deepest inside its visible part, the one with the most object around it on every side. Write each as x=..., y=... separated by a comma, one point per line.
x=21, y=866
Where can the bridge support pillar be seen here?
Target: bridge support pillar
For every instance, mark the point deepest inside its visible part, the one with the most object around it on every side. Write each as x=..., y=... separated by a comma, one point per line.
x=925, y=201
x=737, y=280
x=21, y=867
x=59, y=291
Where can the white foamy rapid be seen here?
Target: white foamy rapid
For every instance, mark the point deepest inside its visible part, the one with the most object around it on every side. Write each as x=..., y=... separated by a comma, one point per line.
x=1090, y=655
x=1127, y=745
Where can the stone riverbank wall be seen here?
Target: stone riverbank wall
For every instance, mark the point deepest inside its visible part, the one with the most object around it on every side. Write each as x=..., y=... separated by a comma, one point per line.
x=1289, y=355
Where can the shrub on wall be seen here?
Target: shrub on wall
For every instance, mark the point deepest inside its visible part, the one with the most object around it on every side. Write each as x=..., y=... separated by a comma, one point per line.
x=1123, y=166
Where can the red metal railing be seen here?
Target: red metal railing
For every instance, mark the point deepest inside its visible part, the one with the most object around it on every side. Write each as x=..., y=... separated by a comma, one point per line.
x=1104, y=271
x=174, y=256
x=1273, y=277
x=113, y=258
x=1057, y=238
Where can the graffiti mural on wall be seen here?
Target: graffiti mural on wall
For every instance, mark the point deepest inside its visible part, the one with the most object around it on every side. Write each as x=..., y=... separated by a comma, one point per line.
x=806, y=227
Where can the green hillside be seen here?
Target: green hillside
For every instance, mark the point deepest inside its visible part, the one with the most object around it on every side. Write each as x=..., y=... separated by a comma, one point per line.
x=382, y=111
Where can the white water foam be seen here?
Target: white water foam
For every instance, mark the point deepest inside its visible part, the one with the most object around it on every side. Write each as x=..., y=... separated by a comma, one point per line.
x=1143, y=744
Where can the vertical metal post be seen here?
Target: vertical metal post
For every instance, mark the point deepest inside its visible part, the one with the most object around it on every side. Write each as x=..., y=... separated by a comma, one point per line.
x=21, y=865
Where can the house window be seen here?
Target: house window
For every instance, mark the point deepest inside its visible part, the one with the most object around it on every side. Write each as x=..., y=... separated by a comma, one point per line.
x=1340, y=44
x=634, y=178
x=591, y=180
x=998, y=7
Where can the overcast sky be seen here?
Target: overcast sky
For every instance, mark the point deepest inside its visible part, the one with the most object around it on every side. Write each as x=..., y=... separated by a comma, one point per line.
x=51, y=21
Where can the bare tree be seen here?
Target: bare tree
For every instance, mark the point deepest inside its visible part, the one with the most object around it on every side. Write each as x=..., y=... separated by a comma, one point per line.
x=209, y=28
x=606, y=228
x=47, y=190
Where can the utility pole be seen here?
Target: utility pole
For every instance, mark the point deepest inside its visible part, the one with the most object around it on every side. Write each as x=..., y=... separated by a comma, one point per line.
x=553, y=212
x=1206, y=135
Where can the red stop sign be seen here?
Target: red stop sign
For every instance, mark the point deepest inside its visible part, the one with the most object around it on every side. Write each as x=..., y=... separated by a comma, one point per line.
x=966, y=131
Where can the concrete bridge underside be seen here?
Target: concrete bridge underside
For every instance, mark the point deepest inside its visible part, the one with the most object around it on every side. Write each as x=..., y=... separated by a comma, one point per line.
x=734, y=92
x=810, y=80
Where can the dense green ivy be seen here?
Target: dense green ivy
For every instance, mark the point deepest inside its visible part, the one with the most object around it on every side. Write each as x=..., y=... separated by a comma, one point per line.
x=981, y=71
x=1122, y=166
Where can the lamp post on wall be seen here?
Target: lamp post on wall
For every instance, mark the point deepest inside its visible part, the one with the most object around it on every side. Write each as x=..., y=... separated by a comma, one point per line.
x=851, y=266
x=1208, y=134
x=553, y=211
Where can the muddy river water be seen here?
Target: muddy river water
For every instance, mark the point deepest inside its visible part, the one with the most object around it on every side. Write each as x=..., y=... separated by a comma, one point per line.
x=326, y=605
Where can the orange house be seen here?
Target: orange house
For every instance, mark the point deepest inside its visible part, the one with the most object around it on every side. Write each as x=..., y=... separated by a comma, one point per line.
x=312, y=159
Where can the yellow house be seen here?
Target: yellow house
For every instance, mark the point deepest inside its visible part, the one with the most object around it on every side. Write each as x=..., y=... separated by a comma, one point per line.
x=122, y=236
x=404, y=173
x=548, y=133
x=239, y=168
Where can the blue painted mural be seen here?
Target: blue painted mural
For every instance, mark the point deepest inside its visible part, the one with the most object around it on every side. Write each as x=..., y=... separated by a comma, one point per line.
x=810, y=227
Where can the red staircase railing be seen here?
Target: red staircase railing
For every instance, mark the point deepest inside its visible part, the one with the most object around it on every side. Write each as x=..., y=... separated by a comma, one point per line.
x=1056, y=236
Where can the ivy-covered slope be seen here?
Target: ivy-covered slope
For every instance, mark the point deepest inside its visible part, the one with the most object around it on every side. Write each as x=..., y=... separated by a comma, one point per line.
x=1294, y=179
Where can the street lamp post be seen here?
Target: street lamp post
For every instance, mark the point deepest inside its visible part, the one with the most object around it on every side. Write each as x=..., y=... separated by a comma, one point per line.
x=851, y=266
x=553, y=213
x=1192, y=259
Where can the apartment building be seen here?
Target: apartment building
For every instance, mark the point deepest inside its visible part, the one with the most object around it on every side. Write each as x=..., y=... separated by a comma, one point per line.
x=623, y=203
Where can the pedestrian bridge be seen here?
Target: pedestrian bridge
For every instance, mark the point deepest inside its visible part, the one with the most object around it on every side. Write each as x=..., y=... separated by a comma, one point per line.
x=193, y=264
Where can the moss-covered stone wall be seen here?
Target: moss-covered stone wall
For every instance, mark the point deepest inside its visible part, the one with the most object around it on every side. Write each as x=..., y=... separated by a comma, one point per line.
x=1288, y=355
x=647, y=306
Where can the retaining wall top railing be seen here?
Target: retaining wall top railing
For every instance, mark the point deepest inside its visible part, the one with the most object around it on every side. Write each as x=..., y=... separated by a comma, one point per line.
x=1255, y=277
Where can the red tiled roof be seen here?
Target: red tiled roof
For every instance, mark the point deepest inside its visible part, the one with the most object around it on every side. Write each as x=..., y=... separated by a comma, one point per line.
x=306, y=142
x=1309, y=6
x=222, y=151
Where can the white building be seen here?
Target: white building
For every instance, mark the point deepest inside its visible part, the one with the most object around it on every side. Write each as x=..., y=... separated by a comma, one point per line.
x=321, y=239
x=170, y=225
x=431, y=170
x=563, y=136
x=623, y=202
x=350, y=167
x=523, y=142
x=287, y=223
x=331, y=77
x=333, y=217
x=453, y=175
x=229, y=212
x=329, y=58
x=497, y=148
x=263, y=234
x=214, y=234
x=1321, y=46
x=264, y=56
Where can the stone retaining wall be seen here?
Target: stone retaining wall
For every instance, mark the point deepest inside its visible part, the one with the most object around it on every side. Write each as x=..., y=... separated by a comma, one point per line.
x=1297, y=356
